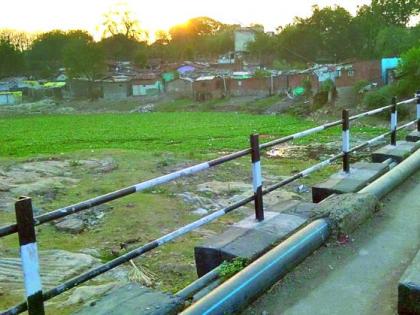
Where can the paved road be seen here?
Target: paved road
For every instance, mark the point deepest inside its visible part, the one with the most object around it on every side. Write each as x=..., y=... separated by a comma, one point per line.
x=359, y=278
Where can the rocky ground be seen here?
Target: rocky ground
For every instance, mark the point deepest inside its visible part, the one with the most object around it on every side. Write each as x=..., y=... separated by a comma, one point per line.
x=78, y=242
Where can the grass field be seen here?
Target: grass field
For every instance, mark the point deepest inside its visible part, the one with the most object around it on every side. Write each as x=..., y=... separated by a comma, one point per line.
x=191, y=133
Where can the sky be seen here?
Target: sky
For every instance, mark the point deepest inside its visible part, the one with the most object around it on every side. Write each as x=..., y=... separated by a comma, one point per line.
x=44, y=15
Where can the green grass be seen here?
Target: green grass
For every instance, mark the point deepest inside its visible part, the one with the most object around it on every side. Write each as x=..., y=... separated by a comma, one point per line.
x=192, y=133
x=152, y=132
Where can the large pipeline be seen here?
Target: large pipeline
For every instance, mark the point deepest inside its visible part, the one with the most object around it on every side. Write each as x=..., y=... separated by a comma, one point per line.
x=394, y=177
x=255, y=279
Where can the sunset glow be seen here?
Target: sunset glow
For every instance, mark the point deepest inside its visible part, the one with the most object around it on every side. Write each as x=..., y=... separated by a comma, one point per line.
x=44, y=15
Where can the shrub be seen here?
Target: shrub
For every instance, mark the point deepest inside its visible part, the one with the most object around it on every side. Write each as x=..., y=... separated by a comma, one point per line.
x=359, y=85
x=228, y=269
x=379, y=98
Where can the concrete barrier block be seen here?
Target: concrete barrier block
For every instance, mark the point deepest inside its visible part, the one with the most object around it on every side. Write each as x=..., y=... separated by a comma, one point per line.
x=347, y=211
x=133, y=299
x=398, y=153
x=248, y=239
x=409, y=289
x=413, y=136
x=361, y=174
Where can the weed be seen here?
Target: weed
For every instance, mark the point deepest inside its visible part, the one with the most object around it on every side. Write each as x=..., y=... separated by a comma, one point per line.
x=228, y=269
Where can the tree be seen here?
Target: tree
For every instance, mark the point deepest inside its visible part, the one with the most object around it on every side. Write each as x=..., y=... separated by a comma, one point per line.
x=120, y=47
x=394, y=40
x=46, y=54
x=84, y=58
x=11, y=59
x=364, y=30
x=119, y=20
x=396, y=12
x=333, y=26
x=264, y=48
x=409, y=71
x=20, y=40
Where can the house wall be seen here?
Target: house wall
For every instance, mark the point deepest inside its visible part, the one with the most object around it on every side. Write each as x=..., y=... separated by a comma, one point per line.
x=361, y=70
x=208, y=89
x=250, y=87
x=116, y=90
x=83, y=88
x=10, y=98
x=146, y=87
x=179, y=88
x=295, y=80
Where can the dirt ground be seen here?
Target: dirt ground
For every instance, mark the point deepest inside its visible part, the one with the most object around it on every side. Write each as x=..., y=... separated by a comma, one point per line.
x=360, y=277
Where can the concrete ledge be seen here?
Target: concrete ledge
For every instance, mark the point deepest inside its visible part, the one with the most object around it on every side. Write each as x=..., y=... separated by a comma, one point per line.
x=398, y=153
x=133, y=299
x=409, y=289
x=361, y=174
x=346, y=211
x=247, y=239
x=413, y=136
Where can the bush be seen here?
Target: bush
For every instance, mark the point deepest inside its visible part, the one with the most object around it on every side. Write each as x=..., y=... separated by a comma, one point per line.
x=383, y=97
x=359, y=85
x=228, y=269
x=379, y=98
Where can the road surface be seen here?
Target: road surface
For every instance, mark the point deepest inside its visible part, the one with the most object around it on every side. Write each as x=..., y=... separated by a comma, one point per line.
x=359, y=277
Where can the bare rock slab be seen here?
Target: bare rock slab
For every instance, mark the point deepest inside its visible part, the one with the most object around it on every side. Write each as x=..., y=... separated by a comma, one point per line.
x=248, y=239
x=361, y=174
x=398, y=153
x=413, y=136
x=134, y=299
x=409, y=289
x=71, y=225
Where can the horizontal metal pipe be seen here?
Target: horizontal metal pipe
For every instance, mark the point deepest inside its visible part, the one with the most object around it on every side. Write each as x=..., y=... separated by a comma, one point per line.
x=240, y=290
x=303, y=173
x=394, y=177
x=199, y=284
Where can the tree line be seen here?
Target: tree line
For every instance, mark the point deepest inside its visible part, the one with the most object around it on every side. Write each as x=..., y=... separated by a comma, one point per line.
x=330, y=34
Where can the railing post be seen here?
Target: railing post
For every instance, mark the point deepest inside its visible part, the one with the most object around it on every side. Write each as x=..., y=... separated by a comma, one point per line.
x=29, y=256
x=418, y=110
x=257, y=177
x=346, y=141
x=394, y=121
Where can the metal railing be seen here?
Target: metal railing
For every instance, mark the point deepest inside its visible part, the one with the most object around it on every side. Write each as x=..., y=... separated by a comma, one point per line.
x=26, y=222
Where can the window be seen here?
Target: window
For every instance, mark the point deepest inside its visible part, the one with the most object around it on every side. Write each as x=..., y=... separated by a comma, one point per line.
x=338, y=73
x=350, y=73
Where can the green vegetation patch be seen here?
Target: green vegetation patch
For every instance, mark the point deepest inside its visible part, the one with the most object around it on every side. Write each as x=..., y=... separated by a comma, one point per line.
x=150, y=132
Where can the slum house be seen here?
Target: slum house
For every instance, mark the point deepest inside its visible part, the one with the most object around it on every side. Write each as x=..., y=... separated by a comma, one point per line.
x=209, y=87
x=349, y=74
x=116, y=87
x=254, y=86
x=146, y=84
x=10, y=98
x=179, y=88
x=84, y=88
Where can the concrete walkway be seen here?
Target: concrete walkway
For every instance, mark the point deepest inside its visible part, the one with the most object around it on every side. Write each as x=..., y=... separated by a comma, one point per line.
x=359, y=277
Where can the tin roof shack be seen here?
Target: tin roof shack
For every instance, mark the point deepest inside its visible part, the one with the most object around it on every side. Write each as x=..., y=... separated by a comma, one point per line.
x=147, y=84
x=180, y=88
x=209, y=87
x=10, y=98
x=349, y=74
x=116, y=87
